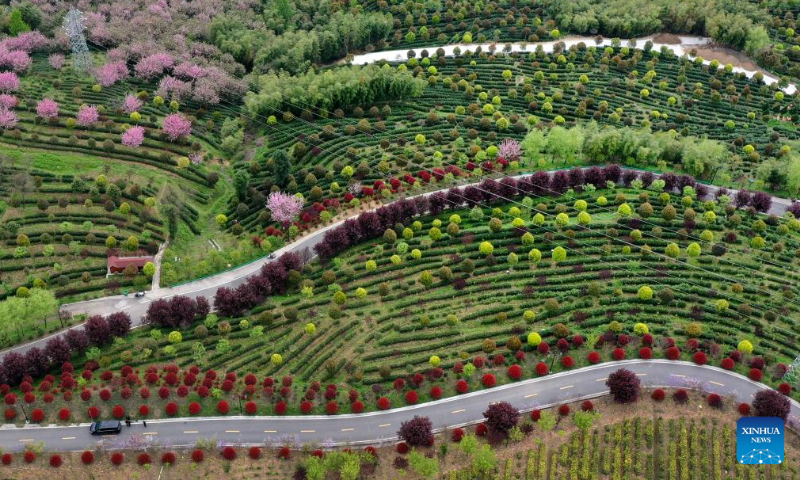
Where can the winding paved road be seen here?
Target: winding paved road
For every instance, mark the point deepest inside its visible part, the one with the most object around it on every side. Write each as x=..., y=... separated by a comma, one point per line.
x=381, y=427
x=207, y=287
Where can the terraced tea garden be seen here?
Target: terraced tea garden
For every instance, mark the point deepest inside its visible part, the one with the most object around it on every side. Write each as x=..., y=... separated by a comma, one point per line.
x=480, y=99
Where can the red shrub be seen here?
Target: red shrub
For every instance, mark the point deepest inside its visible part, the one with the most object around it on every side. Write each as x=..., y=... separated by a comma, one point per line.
x=11, y=398
x=87, y=457
x=755, y=374
x=587, y=406
x=543, y=348
x=144, y=459
x=172, y=409
x=37, y=415
x=56, y=461
x=399, y=384
x=462, y=386
x=11, y=414
x=488, y=380
x=194, y=408
x=48, y=398
x=223, y=407
x=163, y=393
x=785, y=388
x=357, y=406
x=306, y=406
x=371, y=450
x=229, y=453
x=567, y=361
x=254, y=452
x=29, y=397
x=144, y=410
x=673, y=353
x=6, y=459
x=198, y=456
x=700, y=358
x=117, y=458
x=105, y=395
x=402, y=448
x=118, y=412
x=182, y=391
x=168, y=457
x=384, y=403
x=64, y=414
x=144, y=393
x=515, y=372
x=618, y=354
x=86, y=395
x=536, y=415
x=436, y=393
x=284, y=453
x=658, y=395
x=457, y=435
x=593, y=357
x=563, y=410
x=332, y=407
x=412, y=397
x=646, y=353
x=541, y=369
x=280, y=408
x=714, y=400
x=680, y=396
x=499, y=360
x=478, y=362
x=250, y=408
x=744, y=409
x=29, y=457
x=727, y=363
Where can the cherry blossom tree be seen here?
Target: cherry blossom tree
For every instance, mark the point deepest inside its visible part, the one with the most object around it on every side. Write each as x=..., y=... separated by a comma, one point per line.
x=16, y=60
x=510, y=150
x=131, y=104
x=8, y=119
x=171, y=87
x=188, y=71
x=56, y=61
x=133, y=137
x=87, y=115
x=153, y=65
x=175, y=126
x=47, y=108
x=284, y=207
x=9, y=82
x=111, y=73
x=8, y=101
x=27, y=42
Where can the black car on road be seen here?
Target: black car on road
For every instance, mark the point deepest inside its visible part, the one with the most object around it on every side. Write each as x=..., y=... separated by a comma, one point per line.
x=106, y=427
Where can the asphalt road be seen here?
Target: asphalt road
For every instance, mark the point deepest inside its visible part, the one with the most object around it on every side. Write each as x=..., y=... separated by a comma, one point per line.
x=381, y=427
x=207, y=287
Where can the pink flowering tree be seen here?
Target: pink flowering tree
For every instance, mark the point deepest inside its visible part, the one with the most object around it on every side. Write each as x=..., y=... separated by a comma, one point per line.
x=283, y=207
x=133, y=137
x=111, y=73
x=8, y=101
x=87, y=115
x=152, y=66
x=9, y=82
x=56, y=61
x=8, y=119
x=131, y=104
x=16, y=60
x=47, y=108
x=176, y=126
x=510, y=150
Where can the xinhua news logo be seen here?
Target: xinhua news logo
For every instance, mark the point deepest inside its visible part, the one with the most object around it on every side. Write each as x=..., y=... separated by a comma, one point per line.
x=759, y=440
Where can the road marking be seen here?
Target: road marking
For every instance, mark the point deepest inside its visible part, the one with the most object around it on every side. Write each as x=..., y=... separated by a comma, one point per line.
x=601, y=379
x=568, y=386
x=531, y=395
x=270, y=431
x=307, y=431
x=676, y=375
x=67, y=438
x=25, y=439
x=717, y=383
x=459, y=411
x=190, y=431
x=150, y=433
x=384, y=425
x=641, y=374
x=232, y=431
x=347, y=429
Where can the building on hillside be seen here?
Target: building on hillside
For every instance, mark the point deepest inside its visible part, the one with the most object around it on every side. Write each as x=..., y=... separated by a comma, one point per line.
x=118, y=264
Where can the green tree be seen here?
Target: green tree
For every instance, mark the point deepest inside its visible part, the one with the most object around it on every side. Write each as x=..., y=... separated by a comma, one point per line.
x=16, y=24
x=423, y=466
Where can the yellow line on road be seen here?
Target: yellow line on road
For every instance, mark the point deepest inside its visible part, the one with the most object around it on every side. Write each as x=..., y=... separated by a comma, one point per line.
x=231, y=431
x=717, y=383
x=150, y=433
x=25, y=439
x=568, y=386
x=384, y=425
x=531, y=395
x=347, y=429
x=459, y=411
x=306, y=431
x=601, y=379
x=270, y=431
x=190, y=431
x=67, y=438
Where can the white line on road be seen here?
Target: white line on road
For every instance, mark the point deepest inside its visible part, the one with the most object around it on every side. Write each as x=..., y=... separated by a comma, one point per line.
x=384, y=425
x=676, y=375
x=67, y=438
x=190, y=431
x=531, y=395
x=568, y=386
x=601, y=380
x=641, y=374
x=150, y=433
x=25, y=439
x=459, y=411
x=717, y=383
x=348, y=429
x=270, y=431
x=232, y=431
x=307, y=431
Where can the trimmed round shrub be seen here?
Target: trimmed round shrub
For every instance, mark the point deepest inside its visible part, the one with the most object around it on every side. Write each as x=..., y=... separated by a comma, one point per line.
x=673, y=353
x=144, y=459
x=462, y=386
x=29, y=457
x=6, y=459
x=144, y=410
x=87, y=457
x=541, y=369
x=714, y=400
x=481, y=430
x=117, y=458
x=593, y=357
x=357, y=406
x=515, y=372
x=56, y=461
x=171, y=409
x=567, y=361
x=700, y=358
x=658, y=395
x=646, y=353
x=223, y=407
x=587, y=406
x=727, y=363
x=254, y=453
x=198, y=456
x=457, y=434
x=92, y=412
x=680, y=396
x=785, y=388
x=168, y=458
x=229, y=453
x=37, y=415
x=306, y=406
x=250, y=408
x=563, y=410
x=412, y=397
x=402, y=448
x=118, y=412
x=618, y=354
x=384, y=403
x=744, y=409
x=488, y=380
x=755, y=374
x=284, y=453
x=536, y=415
x=332, y=408
x=436, y=392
